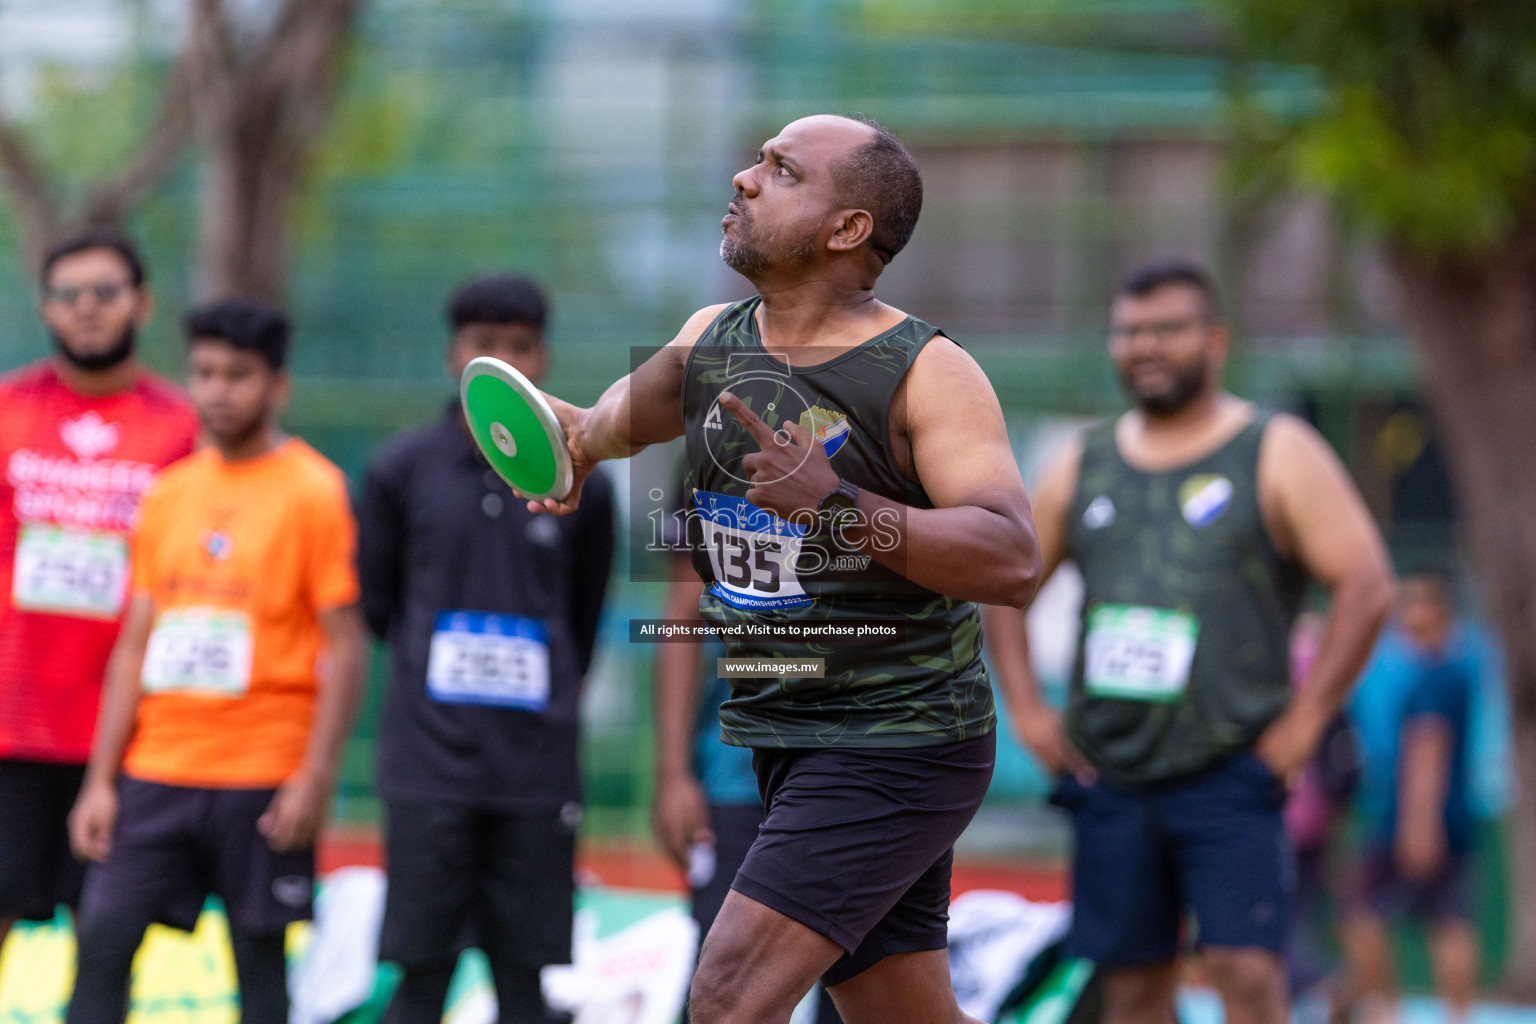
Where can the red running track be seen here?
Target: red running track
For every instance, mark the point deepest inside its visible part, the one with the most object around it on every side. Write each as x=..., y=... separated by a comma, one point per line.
x=642, y=866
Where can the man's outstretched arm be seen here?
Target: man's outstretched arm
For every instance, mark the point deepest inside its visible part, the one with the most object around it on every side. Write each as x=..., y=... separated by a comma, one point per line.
x=642, y=408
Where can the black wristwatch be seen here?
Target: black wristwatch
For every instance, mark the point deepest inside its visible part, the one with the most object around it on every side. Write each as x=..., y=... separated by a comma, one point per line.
x=839, y=502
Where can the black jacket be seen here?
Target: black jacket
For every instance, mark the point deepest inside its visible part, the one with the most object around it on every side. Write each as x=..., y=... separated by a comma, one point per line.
x=438, y=531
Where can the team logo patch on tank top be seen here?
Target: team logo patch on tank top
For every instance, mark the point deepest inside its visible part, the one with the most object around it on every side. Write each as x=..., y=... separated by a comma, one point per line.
x=1203, y=498
x=828, y=427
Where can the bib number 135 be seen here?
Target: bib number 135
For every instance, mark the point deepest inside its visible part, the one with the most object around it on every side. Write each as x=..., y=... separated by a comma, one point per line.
x=752, y=553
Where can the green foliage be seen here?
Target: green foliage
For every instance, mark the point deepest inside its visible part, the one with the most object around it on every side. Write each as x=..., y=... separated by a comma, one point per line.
x=83, y=122
x=1426, y=128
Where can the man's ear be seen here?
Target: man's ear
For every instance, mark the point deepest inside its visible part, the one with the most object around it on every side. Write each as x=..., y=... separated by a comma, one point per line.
x=144, y=307
x=282, y=385
x=850, y=229
x=1221, y=347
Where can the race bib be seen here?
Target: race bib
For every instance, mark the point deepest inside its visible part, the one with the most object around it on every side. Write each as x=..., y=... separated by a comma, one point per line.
x=1137, y=653
x=753, y=553
x=199, y=650
x=496, y=660
x=70, y=571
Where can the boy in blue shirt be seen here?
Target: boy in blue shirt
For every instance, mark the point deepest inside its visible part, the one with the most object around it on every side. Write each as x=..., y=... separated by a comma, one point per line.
x=1418, y=862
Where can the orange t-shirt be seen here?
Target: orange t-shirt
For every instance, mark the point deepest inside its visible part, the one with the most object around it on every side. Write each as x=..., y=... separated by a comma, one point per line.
x=240, y=558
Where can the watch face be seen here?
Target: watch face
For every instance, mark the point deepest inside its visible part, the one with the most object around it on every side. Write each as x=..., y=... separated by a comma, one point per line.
x=840, y=500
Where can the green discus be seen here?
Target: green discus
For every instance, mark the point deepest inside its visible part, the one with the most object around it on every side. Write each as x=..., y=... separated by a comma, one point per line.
x=515, y=429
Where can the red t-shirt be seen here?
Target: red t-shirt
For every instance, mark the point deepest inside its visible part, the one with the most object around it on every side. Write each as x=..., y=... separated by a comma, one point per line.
x=75, y=467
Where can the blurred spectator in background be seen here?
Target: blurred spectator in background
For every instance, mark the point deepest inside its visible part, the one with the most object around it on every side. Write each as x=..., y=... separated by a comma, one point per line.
x=1418, y=862
x=1196, y=520
x=81, y=435
x=232, y=689
x=491, y=616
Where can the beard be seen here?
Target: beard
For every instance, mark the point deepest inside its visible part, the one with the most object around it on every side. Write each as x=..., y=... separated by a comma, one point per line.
x=1188, y=384
x=93, y=362
x=742, y=257
x=751, y=256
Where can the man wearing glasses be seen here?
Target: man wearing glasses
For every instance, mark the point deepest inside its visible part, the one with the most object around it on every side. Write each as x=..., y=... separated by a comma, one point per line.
x=1196, y=520
x=81, y=435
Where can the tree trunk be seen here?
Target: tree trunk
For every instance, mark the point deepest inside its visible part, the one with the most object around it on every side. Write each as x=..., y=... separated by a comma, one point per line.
x=260, y=108
x=251, y=178
x=1474, y=323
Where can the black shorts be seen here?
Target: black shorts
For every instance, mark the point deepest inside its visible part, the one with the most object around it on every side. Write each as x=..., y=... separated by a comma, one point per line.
x=176, y=845
x=858, y=843
x=37, y=871
x=461, y=877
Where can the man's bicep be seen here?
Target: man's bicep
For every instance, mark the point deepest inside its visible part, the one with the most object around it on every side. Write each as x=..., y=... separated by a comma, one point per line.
x=1324, y=517
x=958, y=435
x=330, y=569
x=656, y=385
x=1052, y=499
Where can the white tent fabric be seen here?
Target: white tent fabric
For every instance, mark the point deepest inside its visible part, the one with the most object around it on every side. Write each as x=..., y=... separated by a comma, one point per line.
x=336, y=973
x=993, y=936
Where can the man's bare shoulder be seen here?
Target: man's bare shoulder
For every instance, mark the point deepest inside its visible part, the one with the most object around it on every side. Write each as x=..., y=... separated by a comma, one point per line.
x=697, y=324
x=1291, y=445
x=1056, y=483
x=672, y=357
x=943, y=363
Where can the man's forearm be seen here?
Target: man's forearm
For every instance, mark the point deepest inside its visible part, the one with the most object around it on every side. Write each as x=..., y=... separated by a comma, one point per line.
x=605, y=429
x=967, y=552
x=1425, y=777
x=641, y=409
x=1361, y=603
x=118, y=714
x=1007, y=644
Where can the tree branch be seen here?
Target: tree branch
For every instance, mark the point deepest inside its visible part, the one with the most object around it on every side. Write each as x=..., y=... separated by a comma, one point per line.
x=211, y=68
x=292, y=73
x=39, y=214
x=166, y=140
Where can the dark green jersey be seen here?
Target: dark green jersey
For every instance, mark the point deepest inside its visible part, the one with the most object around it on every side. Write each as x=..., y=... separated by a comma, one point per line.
x=1187, y=610
x=929, y=688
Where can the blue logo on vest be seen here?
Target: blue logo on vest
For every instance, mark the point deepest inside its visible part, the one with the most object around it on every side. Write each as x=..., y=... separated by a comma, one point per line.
x=1203, y=498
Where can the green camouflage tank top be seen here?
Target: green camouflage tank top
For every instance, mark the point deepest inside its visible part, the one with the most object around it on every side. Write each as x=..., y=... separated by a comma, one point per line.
x=930, y=687
x=1187, y=612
